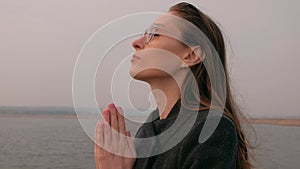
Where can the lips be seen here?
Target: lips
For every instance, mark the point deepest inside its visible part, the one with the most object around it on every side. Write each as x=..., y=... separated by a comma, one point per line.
x=135, y=57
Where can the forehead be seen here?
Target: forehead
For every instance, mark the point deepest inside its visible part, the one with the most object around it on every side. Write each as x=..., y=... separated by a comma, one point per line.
x=166, y=20
x=168, y=23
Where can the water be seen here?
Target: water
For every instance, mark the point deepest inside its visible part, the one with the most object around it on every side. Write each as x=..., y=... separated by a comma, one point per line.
x=31, y=143
x=60, y=143
x=278, y=146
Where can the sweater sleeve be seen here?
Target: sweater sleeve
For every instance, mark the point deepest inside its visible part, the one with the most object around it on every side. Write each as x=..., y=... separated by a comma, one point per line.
x=218, y=152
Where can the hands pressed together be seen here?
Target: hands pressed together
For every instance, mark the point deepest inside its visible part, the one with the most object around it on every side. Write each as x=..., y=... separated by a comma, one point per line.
x=113, y=149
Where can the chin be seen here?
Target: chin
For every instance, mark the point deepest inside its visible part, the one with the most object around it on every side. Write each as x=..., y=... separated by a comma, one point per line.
x=148, y=74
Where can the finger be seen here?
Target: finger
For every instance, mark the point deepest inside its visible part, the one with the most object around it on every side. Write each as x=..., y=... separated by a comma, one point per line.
x=99, y=133
x=96, y=138
x=106, y=115
x=131, y=152
x=128, y=133
x=120, y=115
x=98, y=141
x=107, y=136
x=113, y=117
x=115, y=135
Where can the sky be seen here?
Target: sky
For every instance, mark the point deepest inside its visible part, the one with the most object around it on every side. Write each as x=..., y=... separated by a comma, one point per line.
x=41, y=41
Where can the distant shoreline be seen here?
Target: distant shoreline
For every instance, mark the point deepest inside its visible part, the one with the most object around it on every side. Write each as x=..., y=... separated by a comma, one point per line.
x=56, y=116
x=281, y=121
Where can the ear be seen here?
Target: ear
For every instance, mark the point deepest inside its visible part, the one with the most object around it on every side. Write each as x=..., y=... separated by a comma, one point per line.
x=193, y=56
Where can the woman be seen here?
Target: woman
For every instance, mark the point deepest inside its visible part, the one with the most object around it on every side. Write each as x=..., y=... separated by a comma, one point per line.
x=181, y=84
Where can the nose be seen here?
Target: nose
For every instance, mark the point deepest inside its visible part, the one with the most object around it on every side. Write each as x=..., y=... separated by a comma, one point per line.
x=139, y=43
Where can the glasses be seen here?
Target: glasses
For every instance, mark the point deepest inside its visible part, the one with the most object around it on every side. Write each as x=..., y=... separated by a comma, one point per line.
x=150, y=33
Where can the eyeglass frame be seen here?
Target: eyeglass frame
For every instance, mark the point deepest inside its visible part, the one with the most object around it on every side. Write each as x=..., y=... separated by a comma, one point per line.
x=149, y=35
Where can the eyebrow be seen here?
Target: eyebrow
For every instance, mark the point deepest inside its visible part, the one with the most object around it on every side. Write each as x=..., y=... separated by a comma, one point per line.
x=160, y=25
x=165, y=29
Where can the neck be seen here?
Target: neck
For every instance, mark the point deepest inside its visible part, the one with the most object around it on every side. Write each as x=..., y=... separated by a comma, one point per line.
x=166, y=92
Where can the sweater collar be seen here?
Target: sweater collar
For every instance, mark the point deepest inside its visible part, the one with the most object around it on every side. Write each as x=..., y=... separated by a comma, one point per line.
x=171, y=116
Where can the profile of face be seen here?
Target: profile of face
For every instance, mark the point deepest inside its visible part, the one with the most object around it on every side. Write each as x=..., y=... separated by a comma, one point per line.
x=159, y=53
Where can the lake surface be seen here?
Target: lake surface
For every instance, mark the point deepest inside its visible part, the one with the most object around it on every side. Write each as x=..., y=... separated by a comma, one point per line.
x=61, y=143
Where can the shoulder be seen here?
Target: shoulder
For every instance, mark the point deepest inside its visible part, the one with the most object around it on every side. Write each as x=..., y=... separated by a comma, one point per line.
x=211, y=123
x=219, y=143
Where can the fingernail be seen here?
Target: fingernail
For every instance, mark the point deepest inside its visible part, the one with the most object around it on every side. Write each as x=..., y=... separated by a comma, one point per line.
x=111, y=106
x=119, y=110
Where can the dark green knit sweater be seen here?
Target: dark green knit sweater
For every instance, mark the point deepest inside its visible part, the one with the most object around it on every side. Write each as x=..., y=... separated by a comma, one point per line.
x=219, y=151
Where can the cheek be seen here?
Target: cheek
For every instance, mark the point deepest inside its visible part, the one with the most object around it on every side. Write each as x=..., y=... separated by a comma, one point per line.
x=173, y=46
x=156, y=63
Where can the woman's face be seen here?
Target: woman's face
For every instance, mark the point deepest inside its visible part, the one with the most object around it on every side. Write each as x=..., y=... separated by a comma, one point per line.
x=162, y=55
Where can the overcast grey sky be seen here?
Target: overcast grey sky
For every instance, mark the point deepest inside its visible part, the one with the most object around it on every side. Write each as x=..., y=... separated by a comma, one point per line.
x=41, y=39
